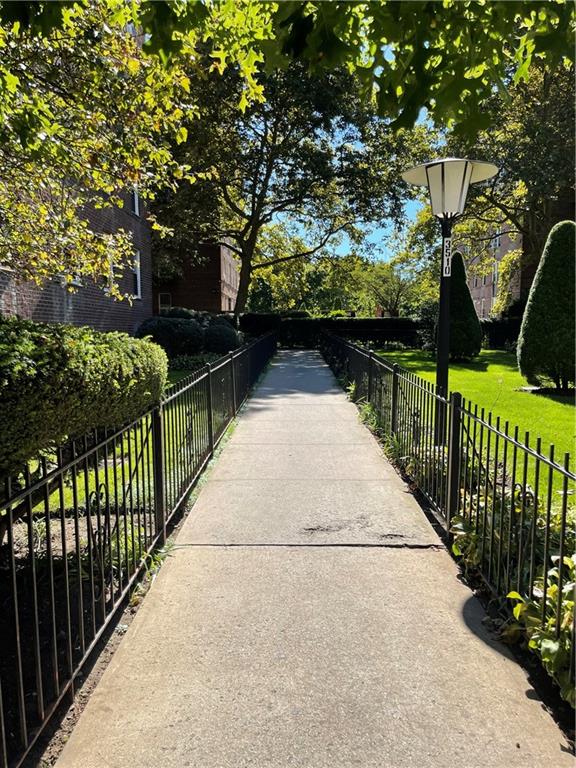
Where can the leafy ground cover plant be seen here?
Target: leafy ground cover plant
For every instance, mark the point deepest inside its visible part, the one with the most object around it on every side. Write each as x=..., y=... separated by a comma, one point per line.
x=552, y=639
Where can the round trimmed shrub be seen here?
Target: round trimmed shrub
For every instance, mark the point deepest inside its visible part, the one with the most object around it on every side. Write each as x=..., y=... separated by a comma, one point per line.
x=59, y=381
x=465, y=328
x=221, y=338
x=225, y=320
x=182, y=312
x=547, y=338
x=175, y=335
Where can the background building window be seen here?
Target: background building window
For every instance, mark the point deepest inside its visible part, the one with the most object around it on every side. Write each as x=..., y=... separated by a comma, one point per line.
x=483, y=308
x=494, y=278
x=137, y=277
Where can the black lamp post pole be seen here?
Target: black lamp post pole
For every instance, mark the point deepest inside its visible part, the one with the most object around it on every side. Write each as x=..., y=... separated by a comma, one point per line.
x=443, y=338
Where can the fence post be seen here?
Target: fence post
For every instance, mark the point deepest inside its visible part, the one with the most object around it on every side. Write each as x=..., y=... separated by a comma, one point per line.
x=370, y=376
x=394, y=404
x=234, y=396
x=158, y=463
x=210, y=414
x=453, y=495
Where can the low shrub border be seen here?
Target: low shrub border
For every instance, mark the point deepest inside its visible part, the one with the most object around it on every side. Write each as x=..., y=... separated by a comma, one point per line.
x=59, y=380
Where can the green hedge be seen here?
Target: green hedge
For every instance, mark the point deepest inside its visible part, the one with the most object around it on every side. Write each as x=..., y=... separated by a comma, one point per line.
x=175, y=335
x=305, y=332
x=547, y=336
x=465, y=328
x=59, y=381
x=221, y=337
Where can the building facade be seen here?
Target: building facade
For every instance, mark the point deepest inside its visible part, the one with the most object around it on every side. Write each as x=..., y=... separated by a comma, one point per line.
x=484, y=287
x=89, y=304
x=209, y=285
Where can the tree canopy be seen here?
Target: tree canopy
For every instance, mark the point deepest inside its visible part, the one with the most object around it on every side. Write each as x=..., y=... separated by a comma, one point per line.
x=446, y=57
x=95, y=96
x=313, y=156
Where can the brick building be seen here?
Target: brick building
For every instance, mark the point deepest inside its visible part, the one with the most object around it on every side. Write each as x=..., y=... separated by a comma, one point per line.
x=89, y=304
x=484, y=288
x=210, y=285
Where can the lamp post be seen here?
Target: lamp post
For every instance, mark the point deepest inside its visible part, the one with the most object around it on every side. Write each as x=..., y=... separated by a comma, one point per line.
x=447, y=181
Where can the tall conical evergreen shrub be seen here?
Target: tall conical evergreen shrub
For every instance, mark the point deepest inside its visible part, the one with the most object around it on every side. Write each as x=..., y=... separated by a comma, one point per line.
x=465, y=328
x=547, y=337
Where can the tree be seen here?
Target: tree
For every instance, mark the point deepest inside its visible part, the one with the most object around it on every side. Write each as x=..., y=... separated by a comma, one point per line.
x=547, y=338
x=312, y=154
x=445, y=57
x=320, y=284
x=85, y=117
x=383, y=285
x=530, y=137
x=465, y=328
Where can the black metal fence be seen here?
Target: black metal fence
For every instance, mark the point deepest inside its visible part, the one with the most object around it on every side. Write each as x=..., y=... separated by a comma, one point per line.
x=504, y=501
x=78, y=528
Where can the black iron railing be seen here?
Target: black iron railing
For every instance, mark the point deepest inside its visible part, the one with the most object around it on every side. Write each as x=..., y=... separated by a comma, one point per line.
x=78, y=528
x=503, y=501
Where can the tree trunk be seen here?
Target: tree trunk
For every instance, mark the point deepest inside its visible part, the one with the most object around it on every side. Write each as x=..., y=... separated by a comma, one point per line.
x=243, y=285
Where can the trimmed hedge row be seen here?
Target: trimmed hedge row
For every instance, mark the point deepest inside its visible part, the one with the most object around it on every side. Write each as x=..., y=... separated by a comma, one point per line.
x=500, y=334
x=302, y=331
x=59, y=381
x=179, y=336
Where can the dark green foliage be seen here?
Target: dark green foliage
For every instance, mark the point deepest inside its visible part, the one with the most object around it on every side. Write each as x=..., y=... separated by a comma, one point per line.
x=546, y=341
x=226, y=320
x=221, y=338
x=175, y=335
x=58, y=381
x=192, y=362
x=500, y=333
x=427, y=319
x=465, y=328
x=257, y=323
x=182, y=312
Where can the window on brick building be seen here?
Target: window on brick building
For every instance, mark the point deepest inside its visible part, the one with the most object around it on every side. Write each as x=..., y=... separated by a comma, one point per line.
x=494, y=278
x=135, y=202
x=137, y=277
x=483, y=308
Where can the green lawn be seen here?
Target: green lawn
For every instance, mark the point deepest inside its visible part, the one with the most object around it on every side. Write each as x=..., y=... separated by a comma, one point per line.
x=493, y=382
x=175, y=376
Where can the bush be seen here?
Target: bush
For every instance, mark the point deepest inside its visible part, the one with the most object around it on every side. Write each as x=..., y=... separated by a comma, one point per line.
x=427, y=319
x=226, y=320
x=182, y=312
x=176, y=336
x=59, y=381
x=465, y=328
x=546, y=341
x=258, y=323
x=221, y=338
x=500, y=333
x=192, y=362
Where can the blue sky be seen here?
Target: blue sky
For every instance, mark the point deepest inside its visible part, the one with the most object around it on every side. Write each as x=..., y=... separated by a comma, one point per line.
x=379, y=236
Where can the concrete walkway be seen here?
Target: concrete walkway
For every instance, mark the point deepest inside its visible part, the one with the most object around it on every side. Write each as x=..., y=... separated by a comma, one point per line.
x=311, y=618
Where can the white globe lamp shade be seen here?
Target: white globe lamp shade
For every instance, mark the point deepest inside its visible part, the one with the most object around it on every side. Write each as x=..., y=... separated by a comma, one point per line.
x=448, y=181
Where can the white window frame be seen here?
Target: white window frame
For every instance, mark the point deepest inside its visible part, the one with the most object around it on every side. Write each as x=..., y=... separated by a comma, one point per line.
x=135, y=202
x=137, y=272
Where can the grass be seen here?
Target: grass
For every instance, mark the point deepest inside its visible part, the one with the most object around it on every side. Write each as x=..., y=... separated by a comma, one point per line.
x=492, y=381
x=175, y=376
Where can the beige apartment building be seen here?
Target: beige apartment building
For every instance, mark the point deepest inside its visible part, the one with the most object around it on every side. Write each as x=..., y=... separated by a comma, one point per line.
x=484, y=287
